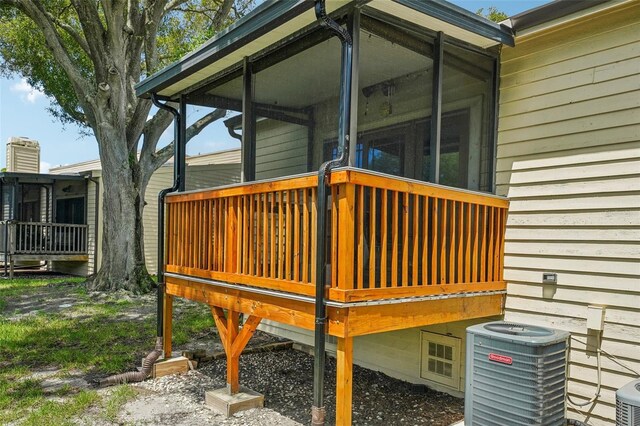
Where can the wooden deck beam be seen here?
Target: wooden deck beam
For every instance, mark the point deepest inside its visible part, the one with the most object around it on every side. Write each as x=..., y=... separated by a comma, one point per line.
x=350, y=320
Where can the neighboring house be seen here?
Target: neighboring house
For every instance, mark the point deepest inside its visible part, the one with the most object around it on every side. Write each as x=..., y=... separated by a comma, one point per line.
x=217, y=168
x=443, y=96
x=43, y=217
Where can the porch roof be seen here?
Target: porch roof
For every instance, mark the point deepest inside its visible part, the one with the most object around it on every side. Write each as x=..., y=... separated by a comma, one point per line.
x=36, y=177
x=274, y=21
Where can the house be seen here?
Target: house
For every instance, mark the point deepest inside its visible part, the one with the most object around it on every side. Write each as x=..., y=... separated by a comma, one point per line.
x=568, y=159
x=44, y=217
x=442, y=115
x=56, y=217
x=203, y=170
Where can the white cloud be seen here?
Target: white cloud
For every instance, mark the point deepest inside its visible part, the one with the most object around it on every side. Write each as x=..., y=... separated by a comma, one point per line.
x=44, y=167
x=26, y=91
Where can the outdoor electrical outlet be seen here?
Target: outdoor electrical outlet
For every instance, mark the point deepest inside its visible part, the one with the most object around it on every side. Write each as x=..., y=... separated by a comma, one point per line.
x=595, y=317
x=549, y=278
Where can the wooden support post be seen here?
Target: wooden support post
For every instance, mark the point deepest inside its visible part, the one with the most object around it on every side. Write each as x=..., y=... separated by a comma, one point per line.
x=346, y=233
x=233, y=341
x=344, y=381
x=166, y=327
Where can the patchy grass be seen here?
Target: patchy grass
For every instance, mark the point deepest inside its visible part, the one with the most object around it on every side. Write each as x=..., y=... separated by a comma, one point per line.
x=120, y=396
x=94, y=336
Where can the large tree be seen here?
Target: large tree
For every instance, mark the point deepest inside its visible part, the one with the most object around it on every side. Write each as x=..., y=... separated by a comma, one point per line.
x=87, y=55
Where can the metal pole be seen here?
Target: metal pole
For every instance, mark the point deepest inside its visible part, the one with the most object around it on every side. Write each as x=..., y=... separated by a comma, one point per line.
x=436, y=110
x=178, y=183
x=318, y=411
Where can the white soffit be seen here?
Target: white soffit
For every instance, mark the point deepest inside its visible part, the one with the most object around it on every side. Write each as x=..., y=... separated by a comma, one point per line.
x=403, y=12
x=281, y=32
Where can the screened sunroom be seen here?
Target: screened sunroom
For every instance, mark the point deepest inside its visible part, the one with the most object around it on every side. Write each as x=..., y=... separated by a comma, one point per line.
x=403, y=230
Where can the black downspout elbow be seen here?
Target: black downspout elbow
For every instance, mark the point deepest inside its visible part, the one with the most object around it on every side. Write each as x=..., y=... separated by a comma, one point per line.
x=318, y=411
x=178, y=157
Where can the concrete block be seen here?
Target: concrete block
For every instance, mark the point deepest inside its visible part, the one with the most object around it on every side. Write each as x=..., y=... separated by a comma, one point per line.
x=227, y=404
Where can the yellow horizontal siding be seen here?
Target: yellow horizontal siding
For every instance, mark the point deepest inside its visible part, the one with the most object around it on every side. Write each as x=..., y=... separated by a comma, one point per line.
x=569, y=160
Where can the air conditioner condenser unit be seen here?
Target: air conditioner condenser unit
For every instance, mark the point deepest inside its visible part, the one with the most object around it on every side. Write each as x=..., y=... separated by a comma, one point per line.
x=628, y=404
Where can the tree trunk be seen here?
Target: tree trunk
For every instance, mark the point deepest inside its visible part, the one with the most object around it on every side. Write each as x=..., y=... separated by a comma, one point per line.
x=123, y=263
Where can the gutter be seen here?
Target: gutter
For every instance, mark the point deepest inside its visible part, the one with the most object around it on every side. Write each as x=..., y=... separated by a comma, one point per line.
x=318, y=412
x=178, y=185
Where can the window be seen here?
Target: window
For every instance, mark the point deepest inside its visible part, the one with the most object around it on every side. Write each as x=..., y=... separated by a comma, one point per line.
x=70, y=210
x=440, y=360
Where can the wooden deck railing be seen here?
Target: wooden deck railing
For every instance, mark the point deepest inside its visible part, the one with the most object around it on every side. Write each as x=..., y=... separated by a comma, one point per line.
x=43, y=238
x=387, y=237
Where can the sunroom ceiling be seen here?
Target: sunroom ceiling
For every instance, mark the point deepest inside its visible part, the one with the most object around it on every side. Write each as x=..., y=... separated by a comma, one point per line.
x=312, y=76
x=275, y=20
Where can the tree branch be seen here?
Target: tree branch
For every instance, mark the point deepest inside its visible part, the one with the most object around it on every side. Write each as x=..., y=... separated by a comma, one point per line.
x=72, y=32
x=94, y=34
x=35, y=11
x=222, y=14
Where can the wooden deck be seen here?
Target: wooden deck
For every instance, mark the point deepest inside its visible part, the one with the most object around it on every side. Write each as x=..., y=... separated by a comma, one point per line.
x=401, y=254
x=42, y=241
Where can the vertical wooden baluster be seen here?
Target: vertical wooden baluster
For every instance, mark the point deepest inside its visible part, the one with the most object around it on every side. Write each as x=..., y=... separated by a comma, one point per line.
x=452, y=243
x=425, y=240
x=314, y=233
x=306, y=239
x=384, y=206
x=239, y=199
x=225, y=231
x=443, y=242
x=460, y=242
x=502, y=242
x=265, y=233
x=435, y=211
x=405, y=239
x=296, y=235
x=334, y=235
x=372, y=238
x=210, y=240
x=252, y=205
x=490, y=253
x=395, y=223
x=499, y=233
x=360, y=231
x=187, y=234
x=288, y=237
x=246, y=247
x=476, y=239
x=272, y=252
x=415, y=249
x=200, y=234
x=280, y=234
x=467, y=245
x=483, y=246
x=231, y=230
x=259, y=231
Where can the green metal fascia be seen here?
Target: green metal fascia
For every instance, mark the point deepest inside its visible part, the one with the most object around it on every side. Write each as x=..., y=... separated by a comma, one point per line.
x=462, y=18
x=260, y=21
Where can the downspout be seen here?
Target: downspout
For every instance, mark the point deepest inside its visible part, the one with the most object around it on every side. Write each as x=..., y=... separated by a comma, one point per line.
x=318, y=411
x=178, y=185
x=178, y=156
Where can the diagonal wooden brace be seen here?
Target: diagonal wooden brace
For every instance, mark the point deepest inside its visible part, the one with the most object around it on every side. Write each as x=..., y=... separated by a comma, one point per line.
x=234, y=341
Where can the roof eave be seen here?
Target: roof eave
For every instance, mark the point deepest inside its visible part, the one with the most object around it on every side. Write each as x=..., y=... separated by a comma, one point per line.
x=462, y=18
x=261, y=20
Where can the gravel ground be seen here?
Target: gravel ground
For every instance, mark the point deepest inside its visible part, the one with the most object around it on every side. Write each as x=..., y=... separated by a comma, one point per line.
x=286, y=380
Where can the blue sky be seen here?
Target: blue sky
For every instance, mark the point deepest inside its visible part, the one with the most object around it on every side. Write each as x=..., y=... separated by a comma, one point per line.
x=23, y=112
